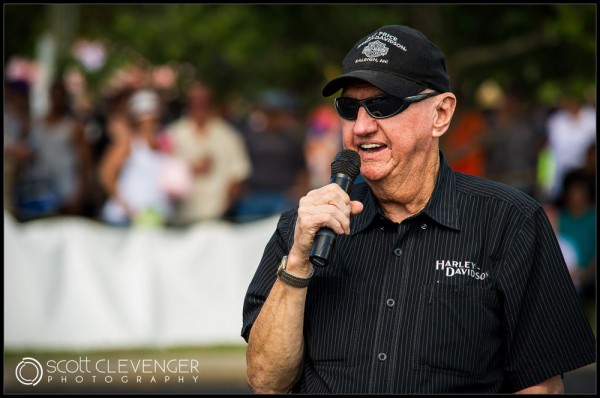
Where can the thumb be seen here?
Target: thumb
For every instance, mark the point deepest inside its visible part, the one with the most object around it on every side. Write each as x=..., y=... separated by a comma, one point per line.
x=355, y=207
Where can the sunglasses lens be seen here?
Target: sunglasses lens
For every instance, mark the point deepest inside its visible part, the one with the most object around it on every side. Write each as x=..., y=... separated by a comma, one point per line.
x=347, y=107
x=381, y=107
x=378, y=107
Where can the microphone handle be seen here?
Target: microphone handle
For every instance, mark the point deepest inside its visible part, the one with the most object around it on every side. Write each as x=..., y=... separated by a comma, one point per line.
x=325, y=237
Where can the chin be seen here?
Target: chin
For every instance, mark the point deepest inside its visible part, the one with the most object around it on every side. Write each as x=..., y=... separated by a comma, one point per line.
x=374, y=171
x=370, y=176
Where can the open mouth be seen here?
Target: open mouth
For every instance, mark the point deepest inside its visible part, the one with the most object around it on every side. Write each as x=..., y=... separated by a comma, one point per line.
x=372, y=148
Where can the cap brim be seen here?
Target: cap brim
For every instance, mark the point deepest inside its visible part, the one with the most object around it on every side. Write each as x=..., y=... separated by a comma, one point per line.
x=389, y=83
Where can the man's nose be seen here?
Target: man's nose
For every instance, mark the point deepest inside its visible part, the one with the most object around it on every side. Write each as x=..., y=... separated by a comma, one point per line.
x=364, y=123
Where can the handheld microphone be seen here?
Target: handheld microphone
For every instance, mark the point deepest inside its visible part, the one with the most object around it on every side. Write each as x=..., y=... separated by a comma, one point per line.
x=344, y=170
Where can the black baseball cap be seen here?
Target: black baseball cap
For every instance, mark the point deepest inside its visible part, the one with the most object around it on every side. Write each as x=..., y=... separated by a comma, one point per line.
x=397, y=59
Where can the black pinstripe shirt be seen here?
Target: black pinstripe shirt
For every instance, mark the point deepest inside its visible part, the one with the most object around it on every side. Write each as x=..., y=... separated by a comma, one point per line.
x=471, y=295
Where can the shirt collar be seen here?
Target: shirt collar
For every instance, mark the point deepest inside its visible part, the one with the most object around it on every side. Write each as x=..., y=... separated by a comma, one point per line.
x=441, y=207
x=370, y=211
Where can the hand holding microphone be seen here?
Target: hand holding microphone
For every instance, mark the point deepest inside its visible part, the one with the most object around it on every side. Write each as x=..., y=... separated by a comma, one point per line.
x=344, y=170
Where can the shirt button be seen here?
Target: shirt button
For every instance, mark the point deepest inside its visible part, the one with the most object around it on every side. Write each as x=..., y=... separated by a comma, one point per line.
x=383, y=228
x=423, y=226
x=390, y=302
x=381, y=356
x=398, y=251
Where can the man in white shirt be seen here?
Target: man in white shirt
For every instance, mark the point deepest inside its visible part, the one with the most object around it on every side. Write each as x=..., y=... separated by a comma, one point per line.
x=216, y=154
x=571, y=130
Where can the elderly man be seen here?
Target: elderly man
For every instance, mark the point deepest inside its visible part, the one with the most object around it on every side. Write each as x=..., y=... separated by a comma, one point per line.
x=438, y=282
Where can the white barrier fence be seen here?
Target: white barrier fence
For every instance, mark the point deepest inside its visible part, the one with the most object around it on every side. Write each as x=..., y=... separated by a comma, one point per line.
x=73, y=283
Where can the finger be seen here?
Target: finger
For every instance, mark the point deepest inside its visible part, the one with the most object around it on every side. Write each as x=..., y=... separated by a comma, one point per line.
x=356, y=207
x=331, y=194
x=312, y=218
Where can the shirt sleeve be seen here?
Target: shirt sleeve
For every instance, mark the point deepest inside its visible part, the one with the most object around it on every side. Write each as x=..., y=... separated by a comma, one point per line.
x=548, y=333
x=264, y=278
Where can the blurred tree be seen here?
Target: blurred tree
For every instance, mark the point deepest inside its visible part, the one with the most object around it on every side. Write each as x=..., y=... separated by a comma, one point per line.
x=23, y=26
x=243, y=48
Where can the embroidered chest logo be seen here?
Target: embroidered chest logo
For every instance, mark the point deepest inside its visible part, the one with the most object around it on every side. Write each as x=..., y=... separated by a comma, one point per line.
x=452, y=268
x=375, y=49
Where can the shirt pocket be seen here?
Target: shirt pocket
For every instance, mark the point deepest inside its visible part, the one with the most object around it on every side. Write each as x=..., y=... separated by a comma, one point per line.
x=458, y=330
x=332, y=313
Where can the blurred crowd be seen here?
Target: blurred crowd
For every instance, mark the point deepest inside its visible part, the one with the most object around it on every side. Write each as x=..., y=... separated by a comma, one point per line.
x=143, y=155
x=548, y=152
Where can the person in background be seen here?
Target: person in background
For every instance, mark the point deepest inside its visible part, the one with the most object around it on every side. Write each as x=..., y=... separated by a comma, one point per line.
x=512, y=143
x=58, y=178
x=463, y=144
x=438, y=281
x=274, y=139
x=16, y=129
x=216, y=154
x=577, y=222
x=571, y=129
x=323, y=141
x=567, y=245
x=131, y=168
x=588, y=170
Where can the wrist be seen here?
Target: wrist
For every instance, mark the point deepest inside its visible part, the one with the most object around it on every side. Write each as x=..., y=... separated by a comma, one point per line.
x=291, y=279
x=298, y=266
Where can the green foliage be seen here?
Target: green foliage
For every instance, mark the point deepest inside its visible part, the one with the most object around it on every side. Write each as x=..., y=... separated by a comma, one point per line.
x=23, y=26
x=243, y=48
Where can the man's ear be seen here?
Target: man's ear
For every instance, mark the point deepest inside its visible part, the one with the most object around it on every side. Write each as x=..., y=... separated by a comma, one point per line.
x=443, y=114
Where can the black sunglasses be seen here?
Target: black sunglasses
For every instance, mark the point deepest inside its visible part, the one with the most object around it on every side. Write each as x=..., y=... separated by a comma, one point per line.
x=378, y=107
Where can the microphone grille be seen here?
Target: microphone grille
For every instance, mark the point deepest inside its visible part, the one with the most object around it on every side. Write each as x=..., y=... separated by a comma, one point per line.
x=346, y=162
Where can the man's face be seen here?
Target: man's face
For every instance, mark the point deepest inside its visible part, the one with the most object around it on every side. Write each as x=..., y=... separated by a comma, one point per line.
x=387, y=146
x=198, y=102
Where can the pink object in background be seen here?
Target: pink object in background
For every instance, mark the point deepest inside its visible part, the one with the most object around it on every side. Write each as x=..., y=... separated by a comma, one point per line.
x=176, y=179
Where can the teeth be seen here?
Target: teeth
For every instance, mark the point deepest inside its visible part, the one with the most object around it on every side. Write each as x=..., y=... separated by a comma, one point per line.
x=370, y=146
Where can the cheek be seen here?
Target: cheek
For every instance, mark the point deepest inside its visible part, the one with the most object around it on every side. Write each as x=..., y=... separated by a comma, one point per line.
x=347, y=135
x=413, y=133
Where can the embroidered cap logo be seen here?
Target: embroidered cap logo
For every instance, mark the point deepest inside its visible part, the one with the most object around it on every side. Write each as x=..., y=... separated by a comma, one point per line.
x=375, y=49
